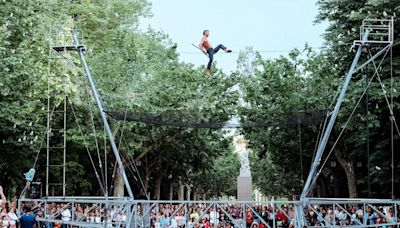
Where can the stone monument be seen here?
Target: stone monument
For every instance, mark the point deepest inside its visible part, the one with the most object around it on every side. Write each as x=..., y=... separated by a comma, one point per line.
x=244, y=182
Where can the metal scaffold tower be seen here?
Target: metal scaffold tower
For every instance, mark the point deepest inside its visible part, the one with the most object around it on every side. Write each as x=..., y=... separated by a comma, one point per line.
x=56, y=137
x=63, y=44
x=375, y=35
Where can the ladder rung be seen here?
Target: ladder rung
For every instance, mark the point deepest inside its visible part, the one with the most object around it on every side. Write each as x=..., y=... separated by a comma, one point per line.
x=57, y=129
x=56, y=184
x=55, y=165
x=57, y=76
x=68, y=48
x=55, y=147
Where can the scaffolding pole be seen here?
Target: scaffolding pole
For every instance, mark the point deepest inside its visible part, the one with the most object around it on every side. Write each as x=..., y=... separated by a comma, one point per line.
x=102, y=114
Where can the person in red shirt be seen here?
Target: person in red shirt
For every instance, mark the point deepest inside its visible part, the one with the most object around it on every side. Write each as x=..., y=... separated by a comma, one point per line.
x=249, y=218
x=206, y=47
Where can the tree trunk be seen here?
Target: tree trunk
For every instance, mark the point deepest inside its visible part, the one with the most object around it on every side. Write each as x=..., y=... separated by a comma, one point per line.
x=188, y=192
x=181, y=191
x=145, y=179
x=171, y=191
x=195, y=194
x=119, y=185
x=350, y=173
x=143, y=191
x=157, y=187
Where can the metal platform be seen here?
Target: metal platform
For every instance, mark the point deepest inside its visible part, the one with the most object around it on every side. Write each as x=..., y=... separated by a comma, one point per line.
x=380, y=32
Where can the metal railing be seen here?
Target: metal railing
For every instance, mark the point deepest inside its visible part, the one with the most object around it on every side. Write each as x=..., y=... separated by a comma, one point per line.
x=123, y=212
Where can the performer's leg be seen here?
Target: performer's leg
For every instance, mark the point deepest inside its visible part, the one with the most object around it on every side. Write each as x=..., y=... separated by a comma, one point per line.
x=219, y=47
x=211, y=56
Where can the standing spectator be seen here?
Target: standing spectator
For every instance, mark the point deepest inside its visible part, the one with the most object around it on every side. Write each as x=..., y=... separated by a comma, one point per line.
x=65, y=215
x=174, y=223
x=164, y=221
x=13, y=218
x=3, y=212
x=206, y=223
x=222, y=218
x=79, y=215
x=97, y=218
x=370, y=217
x=249, y=218
x=342, y=217
x=181, y=219
x=264, y=216
x=192, y=222
x=195, y=215
x=92, y=218
x=5, y=220
x=359, y=212
x=214, y=218
x=27, y=220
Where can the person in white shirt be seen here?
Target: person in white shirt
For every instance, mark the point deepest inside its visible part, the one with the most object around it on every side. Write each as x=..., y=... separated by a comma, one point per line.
x=342, y=218
x=13, y=218
x=65, y=215
x=92, y=218
x=97, y=218
x=157, y=224
x=214, y=217
x=359, y=212
x=174, y=223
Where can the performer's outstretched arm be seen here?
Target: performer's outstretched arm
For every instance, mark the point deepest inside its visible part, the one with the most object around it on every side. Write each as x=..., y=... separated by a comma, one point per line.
x=2, y=196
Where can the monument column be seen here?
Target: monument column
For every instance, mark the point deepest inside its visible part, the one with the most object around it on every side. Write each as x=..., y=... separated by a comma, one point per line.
x=244, y=182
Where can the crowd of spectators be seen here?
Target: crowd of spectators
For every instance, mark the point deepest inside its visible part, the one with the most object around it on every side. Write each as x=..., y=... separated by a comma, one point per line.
x=222, y=216
x=8, y=216
x=199, y=215
x=351, y=215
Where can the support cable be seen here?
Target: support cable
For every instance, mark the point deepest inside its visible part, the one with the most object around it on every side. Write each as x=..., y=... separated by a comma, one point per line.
x=391, y=122
x=95, y=138
x=105, y=162
x=348, y=120
x=386, y=98
x=128, y=159
x=87, y=150
x=119, y=147
x=132, y=161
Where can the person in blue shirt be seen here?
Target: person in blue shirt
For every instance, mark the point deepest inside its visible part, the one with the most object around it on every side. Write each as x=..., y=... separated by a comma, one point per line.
x=27, y=220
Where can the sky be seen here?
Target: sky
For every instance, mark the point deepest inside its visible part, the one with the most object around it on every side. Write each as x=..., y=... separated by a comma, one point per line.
x=273, y=26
